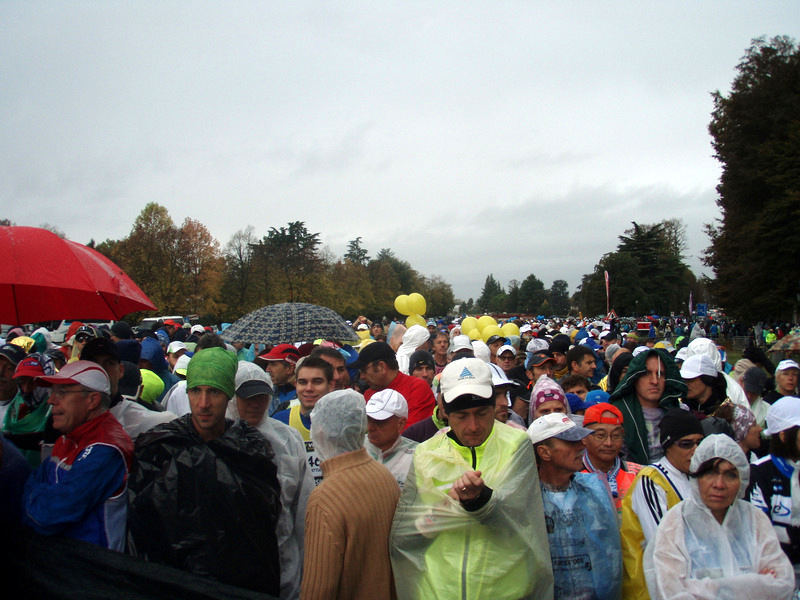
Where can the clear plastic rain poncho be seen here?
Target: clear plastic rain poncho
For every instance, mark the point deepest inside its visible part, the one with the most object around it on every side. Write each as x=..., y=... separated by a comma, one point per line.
x=296, y=482
x=583, y=532
x=441, y=551
x=412, y=339
x=693, y=556
x=338, y=423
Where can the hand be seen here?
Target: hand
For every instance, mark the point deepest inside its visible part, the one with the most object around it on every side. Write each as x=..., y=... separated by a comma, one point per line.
x=467, y=487
x=766, y=571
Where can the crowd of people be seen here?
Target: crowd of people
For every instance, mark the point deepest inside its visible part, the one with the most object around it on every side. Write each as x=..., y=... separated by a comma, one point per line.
x=572, y=461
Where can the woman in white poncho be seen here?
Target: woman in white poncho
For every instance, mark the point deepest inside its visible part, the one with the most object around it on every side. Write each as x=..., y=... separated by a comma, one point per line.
x=713, y=544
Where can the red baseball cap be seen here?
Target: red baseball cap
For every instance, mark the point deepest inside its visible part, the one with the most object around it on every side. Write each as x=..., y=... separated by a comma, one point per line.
x=285, y=352
x=30, y=366
x=171, y=323
x=594, y=414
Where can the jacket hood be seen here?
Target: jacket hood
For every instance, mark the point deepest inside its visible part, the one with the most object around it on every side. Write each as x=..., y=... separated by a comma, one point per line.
x=707, y=347
x=675, y=388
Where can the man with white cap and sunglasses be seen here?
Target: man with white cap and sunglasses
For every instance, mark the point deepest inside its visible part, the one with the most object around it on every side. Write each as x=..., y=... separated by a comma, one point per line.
x=387, y=413
x=582, y=526
x=80, y=490
x=786, y=374
x=471, y=500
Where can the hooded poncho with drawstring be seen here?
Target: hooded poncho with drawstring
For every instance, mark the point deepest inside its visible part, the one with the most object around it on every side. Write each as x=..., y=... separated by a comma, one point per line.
x=625, y=399
x=412, y=339
x=695, y=556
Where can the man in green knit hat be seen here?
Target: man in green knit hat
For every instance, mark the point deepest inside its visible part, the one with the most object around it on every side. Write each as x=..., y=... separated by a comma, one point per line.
x=203, y=491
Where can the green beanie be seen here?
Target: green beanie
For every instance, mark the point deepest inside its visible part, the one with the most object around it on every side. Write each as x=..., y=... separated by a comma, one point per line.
x=215, y=367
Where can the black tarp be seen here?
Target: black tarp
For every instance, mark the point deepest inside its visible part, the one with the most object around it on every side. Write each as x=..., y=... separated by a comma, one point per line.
x=56, y=567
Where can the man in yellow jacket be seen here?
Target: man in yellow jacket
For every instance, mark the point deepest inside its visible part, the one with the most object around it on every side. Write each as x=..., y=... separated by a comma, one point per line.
x=470, y=522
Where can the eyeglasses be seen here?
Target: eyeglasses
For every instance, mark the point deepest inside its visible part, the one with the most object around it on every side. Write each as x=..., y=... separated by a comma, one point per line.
x=62, y=393
x=506, y=357
x=602, y=436
x=687, y=444
x=82, y=338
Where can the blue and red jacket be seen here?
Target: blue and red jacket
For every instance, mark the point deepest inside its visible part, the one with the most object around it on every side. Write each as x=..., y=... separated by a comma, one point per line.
x=81, y=490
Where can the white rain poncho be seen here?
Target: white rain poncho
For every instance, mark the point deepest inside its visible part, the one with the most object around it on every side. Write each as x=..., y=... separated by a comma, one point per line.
x=709, y=348
x=296, y=482
x=583, y=532
x=441, y=551
x=415, y=337
x=338, y=423
x=693, y=556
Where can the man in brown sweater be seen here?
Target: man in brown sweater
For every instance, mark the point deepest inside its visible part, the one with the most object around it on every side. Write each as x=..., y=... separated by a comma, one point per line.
x=349, y=514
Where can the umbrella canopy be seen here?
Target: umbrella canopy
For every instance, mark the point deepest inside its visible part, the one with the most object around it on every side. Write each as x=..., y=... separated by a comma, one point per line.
x=46, y=278
x=289, y=322
x=788, y=343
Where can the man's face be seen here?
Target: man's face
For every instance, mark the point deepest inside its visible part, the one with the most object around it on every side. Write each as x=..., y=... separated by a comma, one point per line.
x=578, y=390
x=341, y=378
x=208, y=406
x=786, y=381
x=506, y=361
x=440, y=345
x=545, y=368
x=312, y=384
x=26, y=384
x=424, y=372
x=651, y=384
x=113, y=368
x=374, y=374
x=71, y=406
x=472, y=425
x=501, y=405
x=585, y=367
x=495, y=346
x=680, y=453
x=79, y=341
x=383, y=434
x=566, y=456
x=254, y=408
x=280, y=371
x=561, y=360
x=376, y=329
x=604, y=451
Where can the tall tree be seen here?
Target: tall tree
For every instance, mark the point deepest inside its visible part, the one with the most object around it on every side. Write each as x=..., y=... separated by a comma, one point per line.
x=356, y=253
x=239, y=269
x=291, y=257
x=493, y=296
x=438, y=296
x=531, y=295
x=558, y=297
x=756, y=137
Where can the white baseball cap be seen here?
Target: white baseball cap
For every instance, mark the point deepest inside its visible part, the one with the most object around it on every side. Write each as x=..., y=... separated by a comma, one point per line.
x=386, y=404
x=557, y=425
x=176, y=347
x=460, y=342
x=507, y=348
x=698, y=365
x=82, y=372
x=787, y=364
x=466, y=376
x=783, y=414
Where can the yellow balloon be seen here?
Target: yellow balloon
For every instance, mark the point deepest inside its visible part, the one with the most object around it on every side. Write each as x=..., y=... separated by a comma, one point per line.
x=417, y=304
x=414, y=320
x=401, y=305
x=489, y=331
x=510, y=329
x=484, y=322
x=468, y=324
x=474, y=334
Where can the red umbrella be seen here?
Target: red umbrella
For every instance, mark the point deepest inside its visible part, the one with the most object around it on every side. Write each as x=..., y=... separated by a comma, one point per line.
x=45, y=278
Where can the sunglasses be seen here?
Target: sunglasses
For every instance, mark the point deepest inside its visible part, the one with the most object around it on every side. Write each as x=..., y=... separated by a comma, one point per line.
x=82, y=337
x=687, y=444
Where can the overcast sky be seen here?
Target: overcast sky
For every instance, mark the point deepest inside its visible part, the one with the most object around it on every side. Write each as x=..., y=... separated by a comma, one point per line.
x=469, y=137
